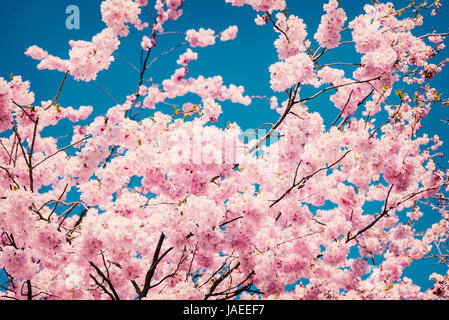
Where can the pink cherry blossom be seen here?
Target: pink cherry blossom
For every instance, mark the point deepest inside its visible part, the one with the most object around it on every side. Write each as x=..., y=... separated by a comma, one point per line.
x=20, y=91
x=5, y=106
x=201, y=38
x=260, y=5
x=261, y=20
x=147, y=44
x=284, y=74
x=36, y=53
x=89, y=58
x=229, y=34
x=292, y=39
x=155, y=204
x=118, y=13
x=328, y=34
x=186, y=57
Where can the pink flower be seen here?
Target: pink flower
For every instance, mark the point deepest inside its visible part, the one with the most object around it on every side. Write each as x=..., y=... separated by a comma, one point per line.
x=146, y=44
x=273, y=102
x=330, y=75
x=295, y=69
x=211, y=109
x=261, y=20
x=229, y=34
x=328, y=34
x=54, y=63
x=36, y=53
x=5, y=106
x=260, y=5
x=154, y=96
x=81, y=216
x=118, y=13
x=186, y=57
x=89, y=58
x=200, y=38
x=293, y=38
x=20, y=91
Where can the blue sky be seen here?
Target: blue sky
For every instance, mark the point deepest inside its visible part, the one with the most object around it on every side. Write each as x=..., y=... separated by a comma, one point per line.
x=244, y=61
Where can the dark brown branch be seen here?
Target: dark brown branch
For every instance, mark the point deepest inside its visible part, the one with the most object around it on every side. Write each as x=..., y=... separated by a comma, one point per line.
x=230, y=221
x=24, y=111
x=60, y=150
x=10, y=153
x=241, y=290
x=181, y=261
x=343, y=109
x=290, y=104
x=384, y=213
x=226, y=262
x=386, y=210
x=276, y=26
x=66, y=214
x=30, y=155
x=386, y=121
x=59, y=92
x=303, y=180
x=10, y=176
x=16, y=132
x=220, y=280
x=113, y=149
x=106, y=279
x=191, y=262
x=336, y=87
x=57, y=203
x=29, y=290
x=102, y=287
x=82, y=215
x=149, y=276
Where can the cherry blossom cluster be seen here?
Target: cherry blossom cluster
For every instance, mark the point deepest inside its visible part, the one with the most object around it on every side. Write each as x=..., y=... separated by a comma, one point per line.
x=229, y=34
x=5, y=106
x=175, y=206
x=293, y=38
x=200, y=38
x=117, y=14
x=298, y=68
x=260, y=5
x=328, y=34
x=89, y=58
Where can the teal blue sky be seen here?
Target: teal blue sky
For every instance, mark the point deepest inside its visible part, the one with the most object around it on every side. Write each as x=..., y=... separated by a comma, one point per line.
x=244, y=61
